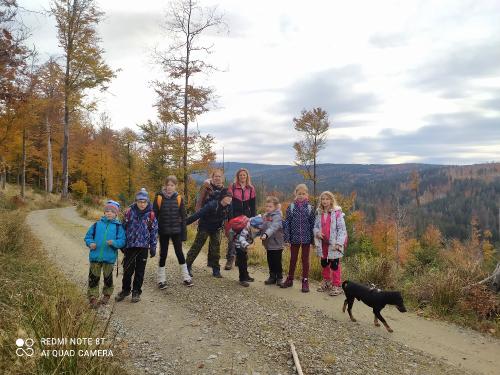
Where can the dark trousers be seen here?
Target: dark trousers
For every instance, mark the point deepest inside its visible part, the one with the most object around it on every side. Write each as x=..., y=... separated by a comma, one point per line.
x=134, y=264
x=177, y=241
x=274, y=262
x=242, y=260
x=294, y=255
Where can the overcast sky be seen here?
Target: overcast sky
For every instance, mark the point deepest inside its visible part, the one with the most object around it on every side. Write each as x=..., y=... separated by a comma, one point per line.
x=402, y=81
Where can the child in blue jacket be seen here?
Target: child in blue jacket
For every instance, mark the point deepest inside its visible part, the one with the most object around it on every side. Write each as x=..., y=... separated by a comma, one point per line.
x=104, y=238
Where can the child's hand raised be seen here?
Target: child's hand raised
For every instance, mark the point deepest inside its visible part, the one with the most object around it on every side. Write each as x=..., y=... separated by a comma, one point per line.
x=93, y=246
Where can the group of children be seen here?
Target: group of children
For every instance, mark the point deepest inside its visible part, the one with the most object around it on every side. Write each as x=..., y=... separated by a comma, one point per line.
x=166, y=219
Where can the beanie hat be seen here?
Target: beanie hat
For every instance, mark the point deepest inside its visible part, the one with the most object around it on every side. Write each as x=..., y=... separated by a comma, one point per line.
x=112, y=206
x=225, y=193
x=142, y=195
x=257, y=222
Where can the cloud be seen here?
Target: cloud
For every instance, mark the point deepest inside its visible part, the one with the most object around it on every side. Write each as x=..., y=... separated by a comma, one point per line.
x=333, y=90
x=451, y=73
x=388, y=40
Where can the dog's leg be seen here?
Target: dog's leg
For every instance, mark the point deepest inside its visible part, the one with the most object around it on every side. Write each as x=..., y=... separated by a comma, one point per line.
x=350, y=302
x=381, y=318
x=345, y=305
x=375, y=321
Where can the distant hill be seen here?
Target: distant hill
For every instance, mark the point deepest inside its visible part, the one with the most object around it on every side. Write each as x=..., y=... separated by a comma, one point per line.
x=449, y=195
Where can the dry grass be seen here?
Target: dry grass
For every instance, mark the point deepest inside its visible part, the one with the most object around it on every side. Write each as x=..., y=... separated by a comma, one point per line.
x=37, y=301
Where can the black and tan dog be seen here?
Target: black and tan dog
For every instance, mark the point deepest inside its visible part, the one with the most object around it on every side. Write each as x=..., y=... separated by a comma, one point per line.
x=375, y=298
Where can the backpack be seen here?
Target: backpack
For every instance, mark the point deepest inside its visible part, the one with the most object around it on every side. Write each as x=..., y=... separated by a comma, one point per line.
x=236, y=224
x=309, y=207
x=159, y=199
x=151, y=218
x=338, y=213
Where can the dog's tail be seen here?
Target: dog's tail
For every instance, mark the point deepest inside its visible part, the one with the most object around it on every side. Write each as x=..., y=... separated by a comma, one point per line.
x=344, y=284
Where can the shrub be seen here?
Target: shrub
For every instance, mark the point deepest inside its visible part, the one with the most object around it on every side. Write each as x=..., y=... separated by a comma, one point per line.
x=379, y=270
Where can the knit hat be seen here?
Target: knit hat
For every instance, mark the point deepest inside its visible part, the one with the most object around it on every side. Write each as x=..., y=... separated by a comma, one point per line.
x=225, y=193
x=142, y=195
x=112, y=206
x=257, y=222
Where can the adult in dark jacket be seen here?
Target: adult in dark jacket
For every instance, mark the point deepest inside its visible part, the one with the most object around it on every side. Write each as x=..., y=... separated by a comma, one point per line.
x=243, y=204
x=211, y=220
x=169, y=208
x=210, y=189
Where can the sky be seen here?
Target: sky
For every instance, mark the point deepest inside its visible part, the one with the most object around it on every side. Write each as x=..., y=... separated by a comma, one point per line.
x=402, y=81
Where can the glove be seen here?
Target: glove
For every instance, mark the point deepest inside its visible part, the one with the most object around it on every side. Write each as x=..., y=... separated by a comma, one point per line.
x=152, y=253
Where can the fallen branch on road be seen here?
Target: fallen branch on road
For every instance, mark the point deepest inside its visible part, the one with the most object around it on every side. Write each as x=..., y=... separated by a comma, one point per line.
x=296, y=359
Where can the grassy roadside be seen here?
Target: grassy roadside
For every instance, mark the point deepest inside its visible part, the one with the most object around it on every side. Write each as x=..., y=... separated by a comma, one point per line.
x=37, y=301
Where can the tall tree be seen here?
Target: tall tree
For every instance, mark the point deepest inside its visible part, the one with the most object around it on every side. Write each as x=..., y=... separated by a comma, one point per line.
x=84, y=67
x=179, y=100
x=313, y=125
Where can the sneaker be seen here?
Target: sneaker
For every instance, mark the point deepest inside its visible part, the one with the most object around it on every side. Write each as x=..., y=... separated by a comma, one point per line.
x=216, y=273
x=288, y=283
x=244, y=283
x=271, y=280
x=279, y=281
x=104, y=299
x=93, y=303
x=136, y=297
x=325, y=286
x=336, y=290
x=121, y=296
x=229, y=263
x=188, y=282
x=162, y=285
x=305, y=286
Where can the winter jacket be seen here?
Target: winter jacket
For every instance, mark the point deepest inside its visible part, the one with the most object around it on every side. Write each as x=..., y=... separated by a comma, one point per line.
x=141, y=227
x=243, y=202
x=208, y=191
x=338, y=234
x=299, y=224
x=211, y=216
x=243, y=239
x=105, y=230
x=273, y=228
x=171, y=216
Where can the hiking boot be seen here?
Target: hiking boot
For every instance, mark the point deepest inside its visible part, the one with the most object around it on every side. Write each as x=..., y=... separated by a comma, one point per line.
x=305, y=286
x=188, y=282
x=162, y=285
x=104, y=299
x=216, y=272
x=288, y=283
x=93, y=303
x=136, y=297
x=271, y=280
x=229, y=263
x=121, y=296
x=279, y=281
x=325, y=286
x=244, y=283
x=249, y=279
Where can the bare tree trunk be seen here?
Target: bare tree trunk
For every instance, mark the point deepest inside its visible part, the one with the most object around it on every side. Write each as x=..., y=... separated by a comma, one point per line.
x=65, y=173
x=186, y=124
x=129, y=166
x=49, y=171
x=23, y=168
x=45, y=181
x=4, y=173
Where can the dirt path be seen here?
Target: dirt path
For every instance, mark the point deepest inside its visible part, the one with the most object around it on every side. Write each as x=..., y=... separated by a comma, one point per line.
x=219, y=327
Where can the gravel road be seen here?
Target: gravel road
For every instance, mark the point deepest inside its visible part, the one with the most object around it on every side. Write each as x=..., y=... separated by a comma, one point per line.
x=218, y=327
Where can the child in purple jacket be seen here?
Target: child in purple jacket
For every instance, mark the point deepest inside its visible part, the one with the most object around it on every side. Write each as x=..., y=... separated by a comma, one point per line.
x=141, y=228
x=298, y=228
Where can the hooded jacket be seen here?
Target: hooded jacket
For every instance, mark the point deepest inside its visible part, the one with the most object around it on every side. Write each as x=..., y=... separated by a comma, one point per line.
x=208, y=191
x=299, y=223
x=105, y=230
x=140, y=230
x=243, y=202
x=338, y=233
x=273, y=228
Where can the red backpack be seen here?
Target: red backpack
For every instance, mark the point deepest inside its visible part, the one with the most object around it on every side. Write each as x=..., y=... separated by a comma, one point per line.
x=236, y=224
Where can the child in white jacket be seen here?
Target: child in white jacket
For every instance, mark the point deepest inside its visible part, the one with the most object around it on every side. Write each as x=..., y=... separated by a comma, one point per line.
x=330, y=235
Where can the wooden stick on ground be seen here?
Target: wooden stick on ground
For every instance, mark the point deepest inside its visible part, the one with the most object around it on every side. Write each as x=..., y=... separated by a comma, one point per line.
x=296, y=359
